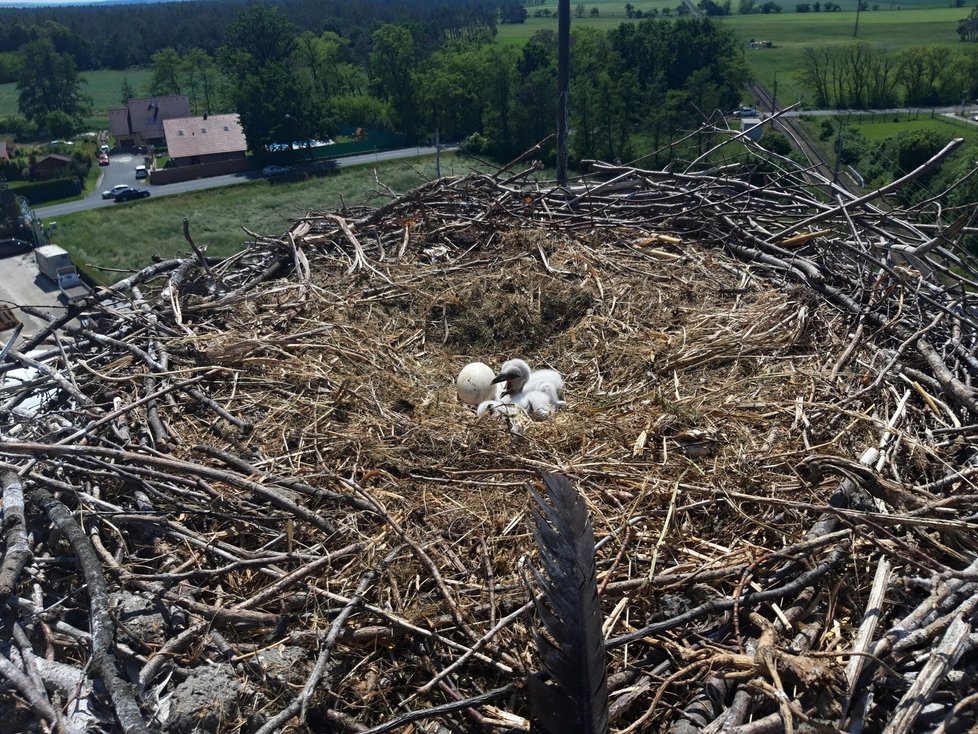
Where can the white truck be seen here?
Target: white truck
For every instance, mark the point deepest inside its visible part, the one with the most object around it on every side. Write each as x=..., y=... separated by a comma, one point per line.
x=55, y=263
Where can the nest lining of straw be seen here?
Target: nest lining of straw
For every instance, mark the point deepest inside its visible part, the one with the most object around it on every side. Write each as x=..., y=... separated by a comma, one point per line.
x=354, y=513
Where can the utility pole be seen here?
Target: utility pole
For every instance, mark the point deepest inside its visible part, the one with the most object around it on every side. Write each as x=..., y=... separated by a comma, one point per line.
x=859, y=6
x=563, y=75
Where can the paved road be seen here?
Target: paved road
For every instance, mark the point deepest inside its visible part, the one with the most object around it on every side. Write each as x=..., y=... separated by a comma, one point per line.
x=20, y=282
x=123, y=166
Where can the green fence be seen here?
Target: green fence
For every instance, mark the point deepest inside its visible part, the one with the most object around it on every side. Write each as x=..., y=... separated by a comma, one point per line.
x=374, y=140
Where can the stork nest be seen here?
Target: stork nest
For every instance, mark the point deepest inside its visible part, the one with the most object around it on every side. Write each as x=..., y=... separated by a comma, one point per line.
x=253, y=495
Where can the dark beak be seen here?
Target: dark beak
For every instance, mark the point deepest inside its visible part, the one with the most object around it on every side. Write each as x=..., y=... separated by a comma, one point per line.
x=503, y=377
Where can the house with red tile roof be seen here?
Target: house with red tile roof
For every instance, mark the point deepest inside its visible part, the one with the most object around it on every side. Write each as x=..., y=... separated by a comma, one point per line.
x=205, y=139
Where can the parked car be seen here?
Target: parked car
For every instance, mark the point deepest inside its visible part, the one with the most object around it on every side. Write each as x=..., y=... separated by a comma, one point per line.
x=274, y=170
x=104, y=149
x=745, y=112
x=140, y=171
x=130, y=194
x=111, y=193
x=103, y=160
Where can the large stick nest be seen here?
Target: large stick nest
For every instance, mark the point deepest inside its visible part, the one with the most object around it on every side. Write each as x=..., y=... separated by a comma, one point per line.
x=288, y=522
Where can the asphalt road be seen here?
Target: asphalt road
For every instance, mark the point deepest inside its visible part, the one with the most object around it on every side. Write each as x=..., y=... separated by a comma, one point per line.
x=122, y=169
x=22, y=284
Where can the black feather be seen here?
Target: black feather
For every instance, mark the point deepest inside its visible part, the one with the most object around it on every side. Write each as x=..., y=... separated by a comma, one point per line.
x=571, y=695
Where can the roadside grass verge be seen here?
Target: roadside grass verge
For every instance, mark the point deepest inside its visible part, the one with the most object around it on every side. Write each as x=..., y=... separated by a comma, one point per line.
x=111, y=242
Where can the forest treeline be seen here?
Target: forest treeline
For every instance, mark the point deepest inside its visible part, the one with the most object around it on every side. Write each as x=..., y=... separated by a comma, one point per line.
x=121, y=36
x=644, y=81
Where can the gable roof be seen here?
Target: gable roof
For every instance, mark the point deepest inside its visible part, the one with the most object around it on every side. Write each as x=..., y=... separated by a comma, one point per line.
x=55, y=158
x=195, y=136
x=145, y=115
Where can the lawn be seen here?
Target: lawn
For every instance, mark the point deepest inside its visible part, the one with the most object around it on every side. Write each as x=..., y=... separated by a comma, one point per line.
x=126, y=237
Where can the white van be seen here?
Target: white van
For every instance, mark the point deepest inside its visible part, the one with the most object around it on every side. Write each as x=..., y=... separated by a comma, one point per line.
x=140, y=171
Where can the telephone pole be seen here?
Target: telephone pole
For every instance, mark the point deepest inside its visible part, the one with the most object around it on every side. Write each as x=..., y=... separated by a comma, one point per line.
x=563, y=66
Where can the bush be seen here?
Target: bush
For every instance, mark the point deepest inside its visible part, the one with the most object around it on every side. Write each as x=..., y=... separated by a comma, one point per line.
x=55, y=188
x=18, y=126
x=474, y=144
x=776, y=142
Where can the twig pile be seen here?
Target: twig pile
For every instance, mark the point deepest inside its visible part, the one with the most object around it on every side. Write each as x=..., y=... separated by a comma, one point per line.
x=253, y=502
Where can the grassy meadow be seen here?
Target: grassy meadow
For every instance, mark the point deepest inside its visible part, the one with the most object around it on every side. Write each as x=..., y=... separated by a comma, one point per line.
x=104, y=87
x=792, y=32
x=893, y=26
x=876, y=128
x=125, y=237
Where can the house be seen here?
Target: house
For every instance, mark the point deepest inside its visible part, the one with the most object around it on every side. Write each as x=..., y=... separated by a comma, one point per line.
x=140, y=122
x=52, y=165
x=207, y=139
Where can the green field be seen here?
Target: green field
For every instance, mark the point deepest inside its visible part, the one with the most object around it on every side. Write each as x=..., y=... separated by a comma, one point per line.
x=876, y=128
x=792, y=32
x=104, y=87
x=893, y=26
x=127, y=236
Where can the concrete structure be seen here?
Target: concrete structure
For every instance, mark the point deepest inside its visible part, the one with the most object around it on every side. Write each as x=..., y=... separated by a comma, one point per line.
x=752, y=126
x=194, y=141
x=140, y=122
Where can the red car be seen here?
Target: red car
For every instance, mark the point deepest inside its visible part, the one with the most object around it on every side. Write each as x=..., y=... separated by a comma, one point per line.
x=103, y=160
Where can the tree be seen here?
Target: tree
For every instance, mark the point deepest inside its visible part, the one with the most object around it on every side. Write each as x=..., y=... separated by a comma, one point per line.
x=629, y=10
x=166, y=73
x=579, y=10
x=257, y=61
x=259, y=37
x=512, y=11
x=449, y=89
x=776, y=142
x=968, y=27
x=127, y=92
x=201, y=79
x=595, y=12
x=392, y=66
x=49, y=83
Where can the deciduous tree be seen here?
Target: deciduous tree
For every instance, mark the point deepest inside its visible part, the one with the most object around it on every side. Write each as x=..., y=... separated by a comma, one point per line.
x=49, y=83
